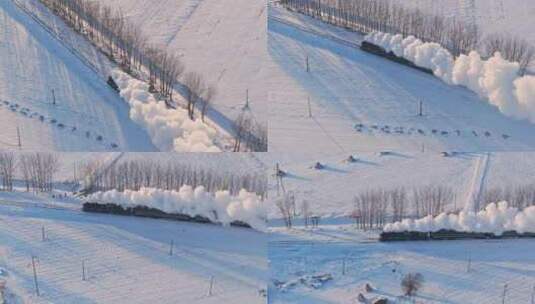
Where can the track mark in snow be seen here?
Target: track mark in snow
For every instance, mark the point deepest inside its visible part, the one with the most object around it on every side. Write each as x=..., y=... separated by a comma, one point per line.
x=477, y=183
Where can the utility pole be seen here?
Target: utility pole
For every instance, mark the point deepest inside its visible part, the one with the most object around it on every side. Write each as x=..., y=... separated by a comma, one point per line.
x=83, y=270
x=18, y=138
x=246, y=107
x=421, y=109
x=35, y=276
x=504, y=293
x=43, y=236
x=211, y=285
x=469, y=267
x=309, y=108
x=307, y=65
x=53, y=97
x=171, y=247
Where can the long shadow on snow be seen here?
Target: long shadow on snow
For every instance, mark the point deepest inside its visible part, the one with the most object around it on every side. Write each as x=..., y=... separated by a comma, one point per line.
x=83, y=75
x=156, y=231
x=9, y=240
x=453, y=101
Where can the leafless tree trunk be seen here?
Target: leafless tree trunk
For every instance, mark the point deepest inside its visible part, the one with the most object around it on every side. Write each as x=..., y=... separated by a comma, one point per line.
x=7, y=170
x=512, y=48
x=286, y=204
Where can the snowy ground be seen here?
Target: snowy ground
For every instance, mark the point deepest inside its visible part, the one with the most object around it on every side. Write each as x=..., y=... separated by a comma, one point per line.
x=31, y=66
x=127, y=259
x=226, y=43
x=211, y=36
x=330, y=191
x=348, y=87
x=354, y=259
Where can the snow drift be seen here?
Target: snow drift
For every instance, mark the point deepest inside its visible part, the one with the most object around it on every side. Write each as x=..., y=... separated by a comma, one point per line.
x=169, y=129
x=495, y=218
x=494, y=79
x=221, y=207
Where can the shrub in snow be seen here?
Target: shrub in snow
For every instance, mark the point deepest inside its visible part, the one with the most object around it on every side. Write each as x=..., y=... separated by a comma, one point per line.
x=495, y=218
x=319, y=166
x=221, y=207
x=169, y=129
x=494, y=79
x=411, y=283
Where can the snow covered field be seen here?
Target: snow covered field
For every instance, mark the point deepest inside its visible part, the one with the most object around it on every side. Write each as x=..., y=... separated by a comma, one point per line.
x=226, y=43
x=330, y=191
x=474, y=271
x=349, y=88
x=127, y=260
x=87, y=115
x=85, y=126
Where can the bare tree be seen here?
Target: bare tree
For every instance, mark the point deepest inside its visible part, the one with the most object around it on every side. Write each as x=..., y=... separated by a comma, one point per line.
x=412, y=283
x=194, y=89
x=305, y=212
x=171, y=175
x=39, y=170
x=25, y=164
x=392, y=17
x=206, y=100
x=286, y=205
x=7, y=170
x=398, y=202
x=512, y=48
x=242, y=127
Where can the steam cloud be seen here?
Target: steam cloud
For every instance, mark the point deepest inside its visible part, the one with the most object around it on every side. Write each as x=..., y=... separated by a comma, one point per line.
x=169, y=129
x=220, y=207
x=494, y=79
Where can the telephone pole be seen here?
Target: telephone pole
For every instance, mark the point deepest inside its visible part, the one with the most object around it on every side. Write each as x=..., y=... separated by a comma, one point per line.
x=18, y=138
x=309, y=108
x=35, y=276
x=246, y=107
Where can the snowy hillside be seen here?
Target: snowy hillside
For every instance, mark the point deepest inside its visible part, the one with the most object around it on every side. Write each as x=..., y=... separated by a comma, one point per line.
x=330, y=191
x=361, y=102
x=476, y=271
x=108, y=259
x=100, y=258
x=37, y=71
x=224, y=42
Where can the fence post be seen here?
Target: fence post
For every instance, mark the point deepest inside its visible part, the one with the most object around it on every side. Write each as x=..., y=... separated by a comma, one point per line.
x=211, y=285
x=83, y=270
x=18, y=138
x=35, y=276
x=469, y=267
x=309, y=108
x=504, y=293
